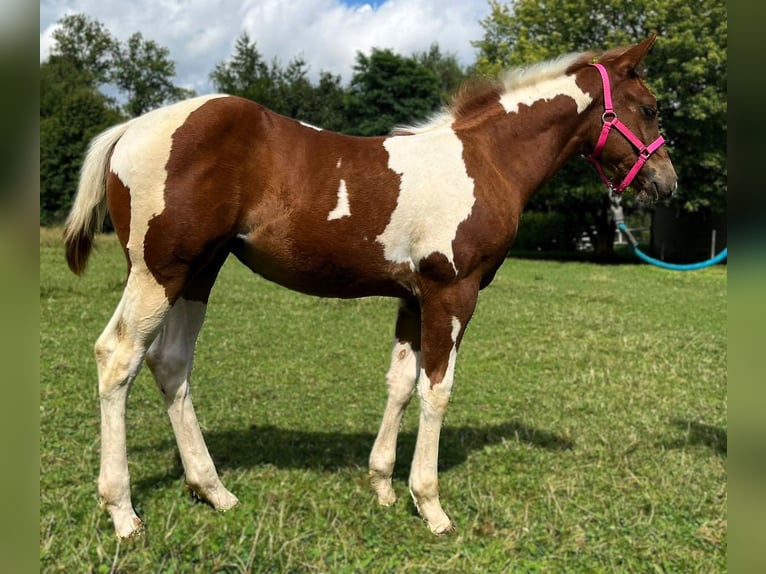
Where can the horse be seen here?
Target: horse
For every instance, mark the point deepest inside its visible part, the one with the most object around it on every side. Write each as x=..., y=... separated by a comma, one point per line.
x=425, y=215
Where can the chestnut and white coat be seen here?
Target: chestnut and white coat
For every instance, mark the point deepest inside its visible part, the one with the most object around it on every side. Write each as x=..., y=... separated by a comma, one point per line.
x=425, y=215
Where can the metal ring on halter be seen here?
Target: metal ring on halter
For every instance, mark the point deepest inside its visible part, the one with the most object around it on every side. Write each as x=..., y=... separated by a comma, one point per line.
x=603, y=117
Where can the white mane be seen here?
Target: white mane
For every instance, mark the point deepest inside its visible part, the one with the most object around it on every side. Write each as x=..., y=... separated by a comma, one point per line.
x=508, y=81
x=533, y=74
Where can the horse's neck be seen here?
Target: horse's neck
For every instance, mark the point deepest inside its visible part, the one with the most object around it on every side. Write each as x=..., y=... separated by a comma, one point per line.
x=527, y=149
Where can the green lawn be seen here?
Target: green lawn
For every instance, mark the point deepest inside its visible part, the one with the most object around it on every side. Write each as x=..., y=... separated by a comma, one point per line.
x=587, y=429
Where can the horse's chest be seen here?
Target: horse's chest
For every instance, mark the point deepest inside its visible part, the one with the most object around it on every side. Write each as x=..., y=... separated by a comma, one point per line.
x=435, y=196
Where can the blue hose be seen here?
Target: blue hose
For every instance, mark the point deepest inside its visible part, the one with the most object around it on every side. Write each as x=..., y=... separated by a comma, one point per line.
x=673, y=266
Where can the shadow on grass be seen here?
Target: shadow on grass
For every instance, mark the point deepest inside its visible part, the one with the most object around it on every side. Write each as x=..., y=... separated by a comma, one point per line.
x=715, y=438
x=331, y=451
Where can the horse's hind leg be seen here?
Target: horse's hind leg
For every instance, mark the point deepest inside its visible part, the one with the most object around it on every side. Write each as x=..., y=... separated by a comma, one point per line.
x=170, y=359
x=401, y=377
x=119, y=353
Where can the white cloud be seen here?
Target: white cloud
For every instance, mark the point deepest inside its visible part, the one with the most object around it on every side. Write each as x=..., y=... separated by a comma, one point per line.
x=326, y=33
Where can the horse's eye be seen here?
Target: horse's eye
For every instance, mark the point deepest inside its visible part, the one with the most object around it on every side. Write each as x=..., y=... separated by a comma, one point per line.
x=649, y=112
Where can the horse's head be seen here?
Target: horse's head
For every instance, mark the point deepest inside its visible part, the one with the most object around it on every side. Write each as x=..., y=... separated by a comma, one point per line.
x=625, y=138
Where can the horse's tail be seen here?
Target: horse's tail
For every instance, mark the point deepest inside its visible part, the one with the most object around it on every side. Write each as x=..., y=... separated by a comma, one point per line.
x=89, y=208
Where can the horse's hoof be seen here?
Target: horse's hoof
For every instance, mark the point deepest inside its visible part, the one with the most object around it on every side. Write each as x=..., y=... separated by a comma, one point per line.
x=130, y=531
x=443, y=529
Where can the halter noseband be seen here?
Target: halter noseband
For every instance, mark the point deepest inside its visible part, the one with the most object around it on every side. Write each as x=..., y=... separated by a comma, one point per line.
x=610, y=120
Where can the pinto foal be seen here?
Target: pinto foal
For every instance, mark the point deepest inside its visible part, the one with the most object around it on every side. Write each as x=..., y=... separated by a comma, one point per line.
x=425, y=215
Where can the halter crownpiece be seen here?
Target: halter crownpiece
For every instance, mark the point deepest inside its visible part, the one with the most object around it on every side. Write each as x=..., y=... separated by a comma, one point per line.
x=609, y=117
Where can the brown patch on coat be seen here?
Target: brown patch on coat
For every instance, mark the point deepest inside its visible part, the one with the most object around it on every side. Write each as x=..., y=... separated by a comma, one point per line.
x=120, y=329
x=408, y=324
x=118, y=200
x=241, y=178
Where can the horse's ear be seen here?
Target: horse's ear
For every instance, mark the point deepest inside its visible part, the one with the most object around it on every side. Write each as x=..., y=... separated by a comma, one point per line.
x=631, y=58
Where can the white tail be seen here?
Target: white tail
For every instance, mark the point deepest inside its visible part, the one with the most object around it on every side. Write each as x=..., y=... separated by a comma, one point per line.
x=89, y=207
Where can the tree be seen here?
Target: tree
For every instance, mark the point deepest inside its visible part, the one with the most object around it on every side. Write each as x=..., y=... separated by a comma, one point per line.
x=246, y=74
x=445, y=67
x=323, y=104
x=73, y=109
x=287, y=91
x=327, y=106
x=686, y=71
x=86, y=45
x=388, y=89
x=142, y=71
x=72, y=112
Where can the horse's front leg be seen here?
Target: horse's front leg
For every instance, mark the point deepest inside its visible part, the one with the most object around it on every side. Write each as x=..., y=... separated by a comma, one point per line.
x=445, y=314
x=401, y=377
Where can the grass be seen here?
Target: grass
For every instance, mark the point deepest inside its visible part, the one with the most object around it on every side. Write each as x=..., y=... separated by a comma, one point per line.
x=587, y=430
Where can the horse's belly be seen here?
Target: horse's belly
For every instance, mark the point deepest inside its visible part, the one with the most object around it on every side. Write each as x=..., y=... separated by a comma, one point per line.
x=321, y=269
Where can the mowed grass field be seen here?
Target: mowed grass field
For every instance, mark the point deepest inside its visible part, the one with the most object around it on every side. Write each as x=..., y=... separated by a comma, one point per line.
x=586, y=433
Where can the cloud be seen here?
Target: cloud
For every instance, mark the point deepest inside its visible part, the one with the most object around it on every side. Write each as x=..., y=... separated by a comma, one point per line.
x=326, y=33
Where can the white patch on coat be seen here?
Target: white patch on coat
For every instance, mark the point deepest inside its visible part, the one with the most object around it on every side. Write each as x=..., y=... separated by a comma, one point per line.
x=140, y=159
x=305, y=125
x=436, y=195
x=337, y=165
x=455, y=329
x=343, y=209
x=546, y=89
x=456, y=326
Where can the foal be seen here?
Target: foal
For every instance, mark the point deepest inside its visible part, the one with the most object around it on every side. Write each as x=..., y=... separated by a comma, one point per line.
x=425, y=215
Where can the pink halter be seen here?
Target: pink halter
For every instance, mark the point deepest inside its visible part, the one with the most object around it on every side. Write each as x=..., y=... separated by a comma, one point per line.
x=610, y=120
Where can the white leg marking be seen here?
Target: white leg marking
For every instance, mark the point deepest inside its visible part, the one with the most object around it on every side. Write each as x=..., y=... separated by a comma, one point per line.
x=405, y=366
x=119, y=352
x=343, y=209
x=424, y=479
x=170, y=359
x=435, y=196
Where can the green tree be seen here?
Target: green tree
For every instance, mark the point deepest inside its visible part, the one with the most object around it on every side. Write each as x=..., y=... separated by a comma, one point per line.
x=285, y=90
x=142, y=70
x=686, y=70
x=73, y=109
x=86, y=45
x=445, y=67
x=72, y=112
x=388, y=89
x=327, y=107
x=322, y=104
x=292, y=88
x=246, y=74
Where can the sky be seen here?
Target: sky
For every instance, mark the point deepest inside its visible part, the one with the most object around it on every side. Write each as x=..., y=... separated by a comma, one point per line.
x=326, y=33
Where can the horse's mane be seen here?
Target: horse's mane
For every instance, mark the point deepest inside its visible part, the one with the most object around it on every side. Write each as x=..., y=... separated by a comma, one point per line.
x=475, y=93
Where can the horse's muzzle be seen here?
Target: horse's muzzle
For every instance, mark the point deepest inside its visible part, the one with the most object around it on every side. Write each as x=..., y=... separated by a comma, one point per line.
x=665, y=182
x=656, y=184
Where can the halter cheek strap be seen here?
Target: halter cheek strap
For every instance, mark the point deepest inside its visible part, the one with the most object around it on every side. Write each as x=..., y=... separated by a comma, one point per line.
x=611, y=120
